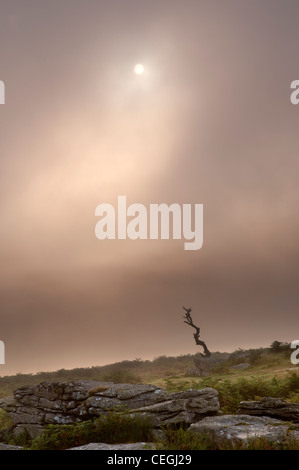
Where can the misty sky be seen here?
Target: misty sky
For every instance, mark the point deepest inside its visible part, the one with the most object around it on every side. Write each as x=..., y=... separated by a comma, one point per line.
x=209, y=122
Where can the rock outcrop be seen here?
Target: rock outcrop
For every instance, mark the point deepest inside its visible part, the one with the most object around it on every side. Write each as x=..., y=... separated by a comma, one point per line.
x=34, y=406
x=9, y=447
x=273, y=407
x=103, y=446
x=241, y=366
x=242, y=428
x=204, y=365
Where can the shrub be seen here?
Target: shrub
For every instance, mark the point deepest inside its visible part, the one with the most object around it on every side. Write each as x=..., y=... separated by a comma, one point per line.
x=22, y=439
x=279, y=346
x=181, y=439
x=121, y=376
x=59, y=437
x=254, y=356
x=5, y=421
x=231, y=393
x=113, y=427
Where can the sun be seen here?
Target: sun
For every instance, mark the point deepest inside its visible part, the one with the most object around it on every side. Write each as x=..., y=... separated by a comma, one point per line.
x=139, y=69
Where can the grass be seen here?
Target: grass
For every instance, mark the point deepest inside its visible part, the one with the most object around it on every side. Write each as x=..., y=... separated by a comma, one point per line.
x=136, y=371
x=267, y=367
x=270, y=374
x=183, y=440
x=113, y=428
x=232, y=392
x=5, y=421
x=264, y=364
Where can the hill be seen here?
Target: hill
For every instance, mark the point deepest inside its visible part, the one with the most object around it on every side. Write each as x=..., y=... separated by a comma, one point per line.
x=171, y=372
x=268, y=373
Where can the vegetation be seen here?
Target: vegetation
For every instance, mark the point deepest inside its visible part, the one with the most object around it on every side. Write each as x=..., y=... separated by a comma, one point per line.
x=265, y=362
x=136, y=371
x=120, y=427
x=183, y=440
x=114, y=427
x=279, y=346
x=270, y=374
x=231, y=393
x=5, y=421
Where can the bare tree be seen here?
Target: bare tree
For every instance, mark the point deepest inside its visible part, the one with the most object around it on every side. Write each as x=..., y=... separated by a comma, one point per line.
x=196, y=335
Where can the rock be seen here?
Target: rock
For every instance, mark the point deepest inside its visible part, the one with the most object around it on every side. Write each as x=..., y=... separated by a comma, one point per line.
x=9, y=447
x=102, y=446
x=123, y=395
x=241, y=428
x=184, y=407
x=204, y=365
x=241, y=366
x=34, y=406
x=273, y=407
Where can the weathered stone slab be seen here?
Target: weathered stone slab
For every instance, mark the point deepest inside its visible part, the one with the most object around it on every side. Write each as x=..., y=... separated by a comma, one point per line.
x=241, y=428
x=273, y=407
x=102, y=446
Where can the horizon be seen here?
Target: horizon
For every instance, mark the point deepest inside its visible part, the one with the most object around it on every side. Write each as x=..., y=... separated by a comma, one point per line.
x=137, y=359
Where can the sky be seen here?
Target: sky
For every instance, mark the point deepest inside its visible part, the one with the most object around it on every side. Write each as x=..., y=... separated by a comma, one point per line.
x=209, y=122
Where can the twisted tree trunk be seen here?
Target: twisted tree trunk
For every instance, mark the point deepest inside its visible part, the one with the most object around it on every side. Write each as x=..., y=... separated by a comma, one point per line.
x=196, y=335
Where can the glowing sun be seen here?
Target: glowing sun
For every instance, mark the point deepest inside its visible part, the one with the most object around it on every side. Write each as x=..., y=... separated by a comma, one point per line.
x=139, y=69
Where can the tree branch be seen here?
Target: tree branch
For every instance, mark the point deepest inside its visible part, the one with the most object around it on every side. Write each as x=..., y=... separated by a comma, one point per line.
x=196, y=335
